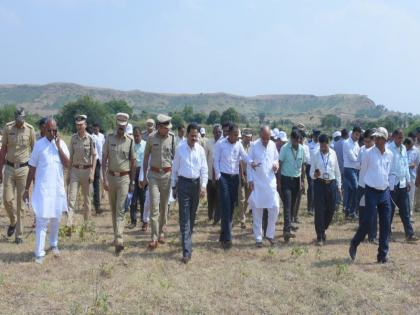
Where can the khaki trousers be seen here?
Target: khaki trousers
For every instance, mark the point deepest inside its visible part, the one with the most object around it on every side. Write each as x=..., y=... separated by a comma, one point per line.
x=243, y=195
x=159, y=190
x=15, y=179
x=79, y=177
x=117, y=192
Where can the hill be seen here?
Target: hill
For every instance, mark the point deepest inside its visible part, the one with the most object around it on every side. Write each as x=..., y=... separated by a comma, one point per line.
x=50, y=98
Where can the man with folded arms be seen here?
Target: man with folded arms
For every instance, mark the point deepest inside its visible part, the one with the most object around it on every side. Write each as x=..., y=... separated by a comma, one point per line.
x=189, y=181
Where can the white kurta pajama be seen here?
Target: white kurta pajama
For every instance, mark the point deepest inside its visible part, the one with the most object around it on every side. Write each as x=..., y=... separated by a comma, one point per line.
x=49, y=195
x=265, y=193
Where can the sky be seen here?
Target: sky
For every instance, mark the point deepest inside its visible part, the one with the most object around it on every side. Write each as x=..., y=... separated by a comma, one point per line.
x=244, y=47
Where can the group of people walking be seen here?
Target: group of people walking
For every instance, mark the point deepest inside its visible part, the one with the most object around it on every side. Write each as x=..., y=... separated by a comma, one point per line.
x=371, y=177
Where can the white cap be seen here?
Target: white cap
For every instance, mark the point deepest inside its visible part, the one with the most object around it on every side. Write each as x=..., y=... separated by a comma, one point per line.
x=129, y=129
x=202, y=131
x=281, y=135
x=276, y=130
x=381, y=132
x=336, y=134
x=122, y=118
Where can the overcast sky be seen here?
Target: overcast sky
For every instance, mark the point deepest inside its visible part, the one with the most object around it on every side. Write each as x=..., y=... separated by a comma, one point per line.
x=246, y=47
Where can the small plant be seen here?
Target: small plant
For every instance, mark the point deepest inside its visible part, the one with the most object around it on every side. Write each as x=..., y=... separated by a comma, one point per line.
x=270, y=252
x=105, y=270
x=66, y=231
x=100, y=303
x=341, y=270
x=298, y=251
x=87, y=228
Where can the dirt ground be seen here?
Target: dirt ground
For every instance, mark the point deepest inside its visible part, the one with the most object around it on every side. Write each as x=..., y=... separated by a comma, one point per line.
x=298, y=278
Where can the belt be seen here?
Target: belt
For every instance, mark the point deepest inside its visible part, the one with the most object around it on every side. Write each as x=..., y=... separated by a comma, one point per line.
x=17, y=165
x=193, y=180
x=325, y=181
x=160, y=170
x=119, y=174
x=229, y=175
x=82, y=167
x=375, y=190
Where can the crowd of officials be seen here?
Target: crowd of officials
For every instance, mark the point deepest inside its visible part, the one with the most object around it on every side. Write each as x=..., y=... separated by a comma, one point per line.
x=371, y=173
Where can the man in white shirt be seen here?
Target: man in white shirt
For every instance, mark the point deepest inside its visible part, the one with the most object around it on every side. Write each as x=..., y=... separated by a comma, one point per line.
x=413, y=161
x=263, y=185
x=99, y=143
x=399, y=181
x=351, y=169
x=375, y=170
x=327, y=178
x=48, y=159
x=227, y=155
x=189, y=182
x=212, y=193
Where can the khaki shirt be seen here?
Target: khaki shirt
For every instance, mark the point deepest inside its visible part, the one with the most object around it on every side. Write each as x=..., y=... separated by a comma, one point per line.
x=145, y=135
x=19, y=142
x=243, y=163
x=161, y=150
x=82, y=149
x=120, y=152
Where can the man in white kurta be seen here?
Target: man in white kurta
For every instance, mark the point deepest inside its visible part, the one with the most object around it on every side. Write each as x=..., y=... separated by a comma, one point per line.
x=49, y=196
x=262, y=181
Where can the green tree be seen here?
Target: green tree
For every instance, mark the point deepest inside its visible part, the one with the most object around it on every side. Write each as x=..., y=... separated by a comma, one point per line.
x=188, y=113
x=118, y=106
x=330, y=121
x=200, y=118
x=94, y=110
x=261, y=117
x=177, y=120
x=213, y=118
x=7, y=113
x=229, y=115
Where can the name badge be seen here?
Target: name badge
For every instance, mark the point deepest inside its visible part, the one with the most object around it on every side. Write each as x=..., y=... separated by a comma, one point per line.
x=325, y=176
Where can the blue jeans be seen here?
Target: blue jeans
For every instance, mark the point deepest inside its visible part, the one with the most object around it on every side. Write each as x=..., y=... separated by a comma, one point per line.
x=350, y=184
x=228, y=195
x=401, y=199
x=373, y=230
x=380, y=201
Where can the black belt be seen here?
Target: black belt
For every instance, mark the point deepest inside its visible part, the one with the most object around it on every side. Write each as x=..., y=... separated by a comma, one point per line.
x=193, y=180
x=17, y=165
x=325, y=181
x=229, y=175
x=375, y=190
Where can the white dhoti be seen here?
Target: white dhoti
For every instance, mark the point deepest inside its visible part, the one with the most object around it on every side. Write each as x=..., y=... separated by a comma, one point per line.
x=49, y=196
x=264, y=195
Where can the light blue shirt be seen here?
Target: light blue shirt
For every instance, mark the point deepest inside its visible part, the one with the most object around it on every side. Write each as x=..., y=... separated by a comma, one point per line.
x=350, y=153
x=291, y=160
x=139, y=149
x=399, y=173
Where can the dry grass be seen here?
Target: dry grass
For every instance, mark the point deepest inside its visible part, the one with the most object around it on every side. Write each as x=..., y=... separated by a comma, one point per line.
x=298, y=278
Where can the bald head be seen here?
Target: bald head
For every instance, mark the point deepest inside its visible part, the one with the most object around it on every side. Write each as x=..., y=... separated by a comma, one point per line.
x=51, y=128
x=265, y=133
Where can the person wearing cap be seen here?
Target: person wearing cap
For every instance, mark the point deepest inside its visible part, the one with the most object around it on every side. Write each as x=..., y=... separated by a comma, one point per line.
x=212, y=190
x=327, y=178
x=375, y=170
x=336, y=135
x=119, y=170
x=82, y=169
x=99, y=138
x=150, y=128
x=202, y=132
x=263, y=185
x=243, y=190
x=189, y=182
x=291, y=168
x=17, y=144
x=351, y=165
x=399, y=183
x=160, y=150
x=129, y=129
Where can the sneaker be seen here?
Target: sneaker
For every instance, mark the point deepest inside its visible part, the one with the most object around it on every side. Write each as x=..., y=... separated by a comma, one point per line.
x=39, y=260
x=55, y=251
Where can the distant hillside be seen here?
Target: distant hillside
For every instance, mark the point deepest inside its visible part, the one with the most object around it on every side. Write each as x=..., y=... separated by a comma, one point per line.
x=50, y=98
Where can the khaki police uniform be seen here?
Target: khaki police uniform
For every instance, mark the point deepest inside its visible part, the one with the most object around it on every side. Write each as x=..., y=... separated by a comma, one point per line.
x=19, y=143
x=161, y=151
x=243, y=191
x=120, y=152
x=82, y=152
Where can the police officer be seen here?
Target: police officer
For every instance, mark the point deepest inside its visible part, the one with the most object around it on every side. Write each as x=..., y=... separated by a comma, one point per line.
x=18, y=142
x=243, y=191
x=82, y=168
x=119, y=169
x=160, y=148
x=150, y=128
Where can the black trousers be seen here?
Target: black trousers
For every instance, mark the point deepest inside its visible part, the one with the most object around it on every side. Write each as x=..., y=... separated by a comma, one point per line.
x=290, y=187
x=97, y=186
x=213, y=201
x=325, y=197
x=188, y=198
x=228, y=196
x=310, y=190
x=139, y=196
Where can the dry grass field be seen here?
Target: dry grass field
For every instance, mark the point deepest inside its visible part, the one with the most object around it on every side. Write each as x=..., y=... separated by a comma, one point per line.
x=298, y=278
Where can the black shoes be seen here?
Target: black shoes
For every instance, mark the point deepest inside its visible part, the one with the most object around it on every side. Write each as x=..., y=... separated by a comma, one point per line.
x=352, y=251
x=258, y=244
x=287, y=236
x=412, y=238
x=118, y=249
x=186, y=259
x=11, y=230
x=18, y=240
x=382, y=260
x=227, y=245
